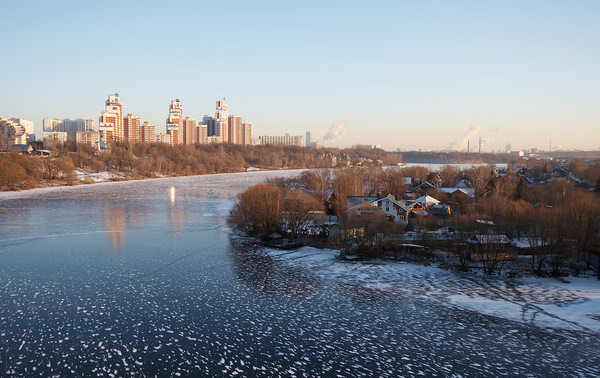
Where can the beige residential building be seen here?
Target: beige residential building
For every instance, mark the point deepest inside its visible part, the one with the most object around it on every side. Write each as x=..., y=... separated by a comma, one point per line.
x=91, y=138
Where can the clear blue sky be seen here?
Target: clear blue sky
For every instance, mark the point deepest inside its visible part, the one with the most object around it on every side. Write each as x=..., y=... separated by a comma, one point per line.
x=409, y=75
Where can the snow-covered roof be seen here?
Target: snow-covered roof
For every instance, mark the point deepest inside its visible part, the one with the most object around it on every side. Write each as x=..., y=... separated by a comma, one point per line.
x=427, y=200
x=489, y=239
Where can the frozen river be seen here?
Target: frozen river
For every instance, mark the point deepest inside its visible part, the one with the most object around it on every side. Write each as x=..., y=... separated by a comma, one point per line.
x=144, y=278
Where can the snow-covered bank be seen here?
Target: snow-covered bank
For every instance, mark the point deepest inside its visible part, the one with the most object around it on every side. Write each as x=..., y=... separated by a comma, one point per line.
x=544, y=302
x=102, y=179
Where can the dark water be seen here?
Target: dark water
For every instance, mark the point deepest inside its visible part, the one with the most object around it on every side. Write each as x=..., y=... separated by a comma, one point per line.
x=144, y=279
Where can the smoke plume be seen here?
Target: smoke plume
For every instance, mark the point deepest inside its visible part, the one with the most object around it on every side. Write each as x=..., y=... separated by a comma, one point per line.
x=461, y=143
x=337, y=130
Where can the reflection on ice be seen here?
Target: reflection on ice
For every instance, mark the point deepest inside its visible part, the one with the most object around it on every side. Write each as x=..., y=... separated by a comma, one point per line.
x=172, y=194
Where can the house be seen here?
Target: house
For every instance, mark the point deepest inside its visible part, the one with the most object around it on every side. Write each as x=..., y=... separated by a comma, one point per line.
x=22, y=148
x=462, y=184
x=440, y=210
x=361, y=205
x=394, y=208
x=423, y=203
x=424, y=187
x=458, y=192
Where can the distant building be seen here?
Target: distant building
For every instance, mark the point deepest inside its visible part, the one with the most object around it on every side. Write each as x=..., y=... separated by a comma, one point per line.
x=91, y=138
x=54, y=138
x=246, y=133
x=163, y=138
x=285, y=140
x=222, y=120
x=201, y=133
x=188, y=126
x=111, y=121
x=147, y=133
x=11, y=132
x=69, y=126
x=131, y=126
x=175, y=122
x=29, y=128
x=211, y=125
x=235, y=130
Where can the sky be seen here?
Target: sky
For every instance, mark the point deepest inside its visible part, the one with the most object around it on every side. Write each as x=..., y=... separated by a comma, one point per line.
x=419, y=75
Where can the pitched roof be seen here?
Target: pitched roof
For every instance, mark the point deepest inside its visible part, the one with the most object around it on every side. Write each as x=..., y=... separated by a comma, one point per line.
x=392, y=198
x=466, y=191
x=354, y=201
x=427, y=200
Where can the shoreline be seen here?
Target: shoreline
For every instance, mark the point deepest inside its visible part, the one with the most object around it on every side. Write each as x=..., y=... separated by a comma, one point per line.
x=12, y=194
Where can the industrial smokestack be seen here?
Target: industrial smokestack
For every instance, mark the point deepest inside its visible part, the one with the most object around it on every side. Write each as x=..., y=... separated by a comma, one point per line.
x=468, y=145
x=479, y=144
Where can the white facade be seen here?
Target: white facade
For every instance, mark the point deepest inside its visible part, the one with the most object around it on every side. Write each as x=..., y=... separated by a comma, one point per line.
x=175, y=122
x=14, y=131
x=29, y=128
x=222, y=120
x=285, y=140
x=111, y=120
x=163, y=138
x=69, y=126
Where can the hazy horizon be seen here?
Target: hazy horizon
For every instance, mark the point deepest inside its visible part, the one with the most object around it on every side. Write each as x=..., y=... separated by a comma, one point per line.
x=412, y=76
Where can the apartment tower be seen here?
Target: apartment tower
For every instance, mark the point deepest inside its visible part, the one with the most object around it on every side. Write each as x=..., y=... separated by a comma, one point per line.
x=188, y=130
x=111, y=120
x=234, y=132
x=131, y=125
x=221, y=119
x=175, y=122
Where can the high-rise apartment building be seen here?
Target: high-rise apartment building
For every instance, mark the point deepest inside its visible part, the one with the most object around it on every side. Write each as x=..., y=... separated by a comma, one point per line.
x=54, y=138
x=201, y=133
x=147, y=133
x=175, y=122
x=69, y=126
x=188, y=126
x=211, y=126
x=131, y=125
x=29, y=128
x=91, y=138
x=221, y=118
x=235, y=130
x=11, y=132
x=52, y=124
x=111, y=121
x=246, y=133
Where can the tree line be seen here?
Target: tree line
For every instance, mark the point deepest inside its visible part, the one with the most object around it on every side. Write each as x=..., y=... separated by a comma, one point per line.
x=145, y=160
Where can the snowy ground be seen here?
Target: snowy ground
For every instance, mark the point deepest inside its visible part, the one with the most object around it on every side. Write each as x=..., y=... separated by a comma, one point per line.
x=545, y=302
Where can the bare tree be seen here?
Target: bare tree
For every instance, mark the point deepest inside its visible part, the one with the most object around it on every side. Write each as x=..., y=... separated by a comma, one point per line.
x=258, y=210
x=300, y=212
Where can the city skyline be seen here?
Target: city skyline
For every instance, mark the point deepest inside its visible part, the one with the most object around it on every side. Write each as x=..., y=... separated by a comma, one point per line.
x=407, y=76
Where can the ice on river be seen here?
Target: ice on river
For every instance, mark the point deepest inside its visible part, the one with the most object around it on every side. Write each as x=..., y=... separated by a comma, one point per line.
x=144, y=278
x=546, y=302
